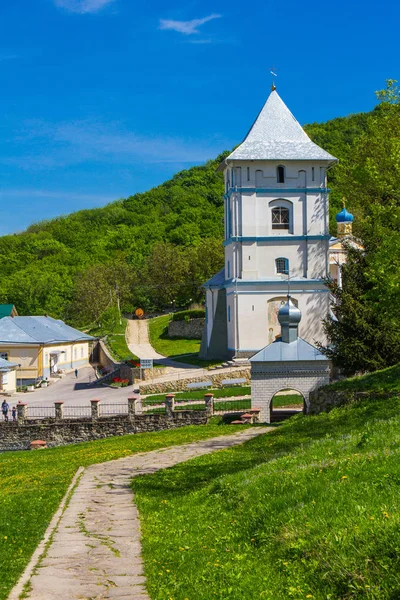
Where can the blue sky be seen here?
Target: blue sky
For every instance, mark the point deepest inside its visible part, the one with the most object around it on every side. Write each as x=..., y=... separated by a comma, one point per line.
x=104, y=98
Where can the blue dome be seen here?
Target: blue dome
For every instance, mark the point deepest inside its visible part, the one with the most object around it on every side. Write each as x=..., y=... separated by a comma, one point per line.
x=344, y=217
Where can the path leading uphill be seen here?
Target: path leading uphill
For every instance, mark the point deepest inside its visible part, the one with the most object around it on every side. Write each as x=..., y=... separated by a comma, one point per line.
x=137, y=338
x=93, y=546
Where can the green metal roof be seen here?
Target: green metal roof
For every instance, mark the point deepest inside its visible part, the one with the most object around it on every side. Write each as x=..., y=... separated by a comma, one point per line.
x=6, y=310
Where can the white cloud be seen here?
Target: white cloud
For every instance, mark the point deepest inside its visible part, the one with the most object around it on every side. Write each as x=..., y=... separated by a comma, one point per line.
x=186, y=27
x=53, y=145
x=83, y=6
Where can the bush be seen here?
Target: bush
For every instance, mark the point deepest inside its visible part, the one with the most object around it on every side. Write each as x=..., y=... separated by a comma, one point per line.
x=187, y=315
x=118, y=382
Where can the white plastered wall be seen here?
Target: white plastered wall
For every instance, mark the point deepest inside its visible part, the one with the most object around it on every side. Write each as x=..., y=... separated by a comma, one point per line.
x=69, y=355
x=8, y=381
x=254, y=324
x=27, y=357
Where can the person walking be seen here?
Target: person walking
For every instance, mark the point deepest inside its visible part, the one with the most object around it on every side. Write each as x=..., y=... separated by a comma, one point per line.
x=76, y=373
x=5, y=407
x=14, y=413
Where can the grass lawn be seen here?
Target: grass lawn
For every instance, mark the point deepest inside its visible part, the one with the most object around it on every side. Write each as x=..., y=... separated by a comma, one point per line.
x=386, y=380
x=116, y=342
x=239, y=405
x=199, y=394
x=32, y=485
x=193, y=359
x=158, y=329
x=118, y=347
x=311, y=510
x=229, y=392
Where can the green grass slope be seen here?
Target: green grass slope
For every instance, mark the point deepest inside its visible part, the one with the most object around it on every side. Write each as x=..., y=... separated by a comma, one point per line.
x=158, y=334
x=310, y=510
x=385, y=380
x=32, y=485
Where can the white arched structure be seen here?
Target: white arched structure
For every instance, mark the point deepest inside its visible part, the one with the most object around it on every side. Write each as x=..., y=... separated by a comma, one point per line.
x=269, y=378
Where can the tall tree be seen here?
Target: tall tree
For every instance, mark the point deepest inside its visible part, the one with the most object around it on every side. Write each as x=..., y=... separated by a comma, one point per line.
x=365, y=333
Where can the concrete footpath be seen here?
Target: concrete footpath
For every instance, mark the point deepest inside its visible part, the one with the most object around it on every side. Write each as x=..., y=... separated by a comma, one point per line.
x=92, y=549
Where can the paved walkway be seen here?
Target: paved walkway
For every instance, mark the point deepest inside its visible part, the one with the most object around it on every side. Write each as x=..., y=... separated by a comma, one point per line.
x=94, y=552
x=137, y=338
x=138, y=341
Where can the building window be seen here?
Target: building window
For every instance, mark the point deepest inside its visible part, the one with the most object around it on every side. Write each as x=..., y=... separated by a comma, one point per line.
x=280, y=174
x=75, y=353
x=229, y=269
x=81, y=351
x=229, y=314
x=248, y=173
x=280, y=218
x=313, y=173
x=4, y=355
x=282, y=266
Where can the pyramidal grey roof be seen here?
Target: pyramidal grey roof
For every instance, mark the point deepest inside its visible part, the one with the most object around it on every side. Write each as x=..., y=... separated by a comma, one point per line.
x=38, y=330
x=295, y=351
x=6, y=365
x=276, y=135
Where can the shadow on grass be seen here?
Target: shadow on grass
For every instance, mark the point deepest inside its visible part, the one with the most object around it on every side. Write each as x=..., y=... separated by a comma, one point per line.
x=298, y=432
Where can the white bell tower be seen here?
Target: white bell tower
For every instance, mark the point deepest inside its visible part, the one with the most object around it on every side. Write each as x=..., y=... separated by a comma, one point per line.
x=276, y=223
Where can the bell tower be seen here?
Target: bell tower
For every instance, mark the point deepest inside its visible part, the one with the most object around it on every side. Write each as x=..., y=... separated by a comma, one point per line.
x=276, y=223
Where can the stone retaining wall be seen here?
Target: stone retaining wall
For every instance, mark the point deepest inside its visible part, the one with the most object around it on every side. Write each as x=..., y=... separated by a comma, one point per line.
x=192, y=329
x=180, y=385
x=324, y=400
x=105, y=358
x=124, y=371
x=18, y=436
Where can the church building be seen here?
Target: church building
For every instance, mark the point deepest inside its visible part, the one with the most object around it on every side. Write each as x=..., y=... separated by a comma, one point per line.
x=276, y=227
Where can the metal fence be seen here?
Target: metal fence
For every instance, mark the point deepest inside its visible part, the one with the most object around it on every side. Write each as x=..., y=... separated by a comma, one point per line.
x=40, y=412
x=223, y=407
x=76, y=412
x=113, y=409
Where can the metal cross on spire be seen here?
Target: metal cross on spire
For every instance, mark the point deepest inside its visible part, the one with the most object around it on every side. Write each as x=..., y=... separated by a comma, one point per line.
x=272, y=71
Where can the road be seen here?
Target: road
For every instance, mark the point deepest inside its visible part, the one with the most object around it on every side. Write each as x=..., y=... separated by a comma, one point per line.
x=74, y=391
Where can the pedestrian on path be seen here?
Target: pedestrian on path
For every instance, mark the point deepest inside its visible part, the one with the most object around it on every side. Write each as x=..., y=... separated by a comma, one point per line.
x=5, y=407
x=76, y=373
x=14, y=413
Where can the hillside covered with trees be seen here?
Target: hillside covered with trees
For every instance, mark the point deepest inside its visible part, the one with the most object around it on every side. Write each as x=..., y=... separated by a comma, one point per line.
x=155, y=249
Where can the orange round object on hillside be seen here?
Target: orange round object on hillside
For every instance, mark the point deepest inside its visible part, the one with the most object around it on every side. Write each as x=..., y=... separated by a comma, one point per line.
x=139, y=312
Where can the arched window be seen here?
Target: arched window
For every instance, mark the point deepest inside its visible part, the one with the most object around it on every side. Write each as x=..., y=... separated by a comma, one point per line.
x=280, y=218
x=280, y=174
x=282, y=265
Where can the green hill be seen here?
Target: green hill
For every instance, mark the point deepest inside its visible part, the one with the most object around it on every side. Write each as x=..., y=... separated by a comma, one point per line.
x=310, y=510
x=66, y=266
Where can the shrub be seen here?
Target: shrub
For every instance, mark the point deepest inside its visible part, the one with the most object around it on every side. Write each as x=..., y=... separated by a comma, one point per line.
x=187, y=315
x=118, y=382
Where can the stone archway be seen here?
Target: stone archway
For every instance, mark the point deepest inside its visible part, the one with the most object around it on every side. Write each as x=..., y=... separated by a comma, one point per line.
x=285, y=404
x=269, y=378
